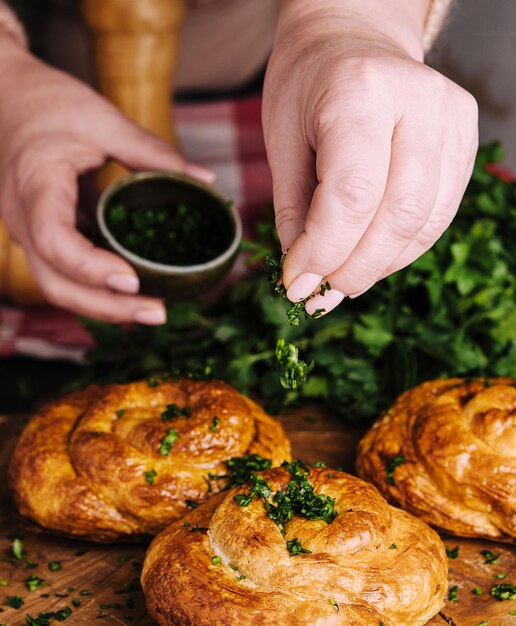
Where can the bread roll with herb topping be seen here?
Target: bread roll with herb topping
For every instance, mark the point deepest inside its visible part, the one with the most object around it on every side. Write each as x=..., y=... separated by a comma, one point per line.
x=122, y=461
x=446, y=451
x=296, y=546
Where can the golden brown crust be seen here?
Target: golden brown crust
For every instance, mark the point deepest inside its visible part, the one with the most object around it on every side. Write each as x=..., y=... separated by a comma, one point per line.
x=458, y=439
x=80, y=465
x=354, y=575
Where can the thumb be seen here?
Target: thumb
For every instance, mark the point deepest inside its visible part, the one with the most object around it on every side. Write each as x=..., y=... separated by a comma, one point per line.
x=139, y=149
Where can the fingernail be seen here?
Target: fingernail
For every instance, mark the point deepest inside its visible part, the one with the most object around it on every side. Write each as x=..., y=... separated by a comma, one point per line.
x=151, y=317
x=325, y=303
x=202, y=173
x=126, y=283
x=302, y=286
x=356, y=295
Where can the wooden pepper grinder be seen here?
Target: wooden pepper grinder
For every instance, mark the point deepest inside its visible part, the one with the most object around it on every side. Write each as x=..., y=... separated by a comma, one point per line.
x=135, y=46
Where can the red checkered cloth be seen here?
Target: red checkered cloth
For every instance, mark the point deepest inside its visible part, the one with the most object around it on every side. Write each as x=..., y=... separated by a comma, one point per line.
x=225, y=136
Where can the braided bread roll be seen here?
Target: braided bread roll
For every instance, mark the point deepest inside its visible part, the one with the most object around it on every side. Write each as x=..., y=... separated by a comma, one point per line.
x=114, y=462
x=227, y=563
x=446, y=452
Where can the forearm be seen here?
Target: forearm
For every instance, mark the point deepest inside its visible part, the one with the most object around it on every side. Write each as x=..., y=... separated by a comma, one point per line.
x=405, y=23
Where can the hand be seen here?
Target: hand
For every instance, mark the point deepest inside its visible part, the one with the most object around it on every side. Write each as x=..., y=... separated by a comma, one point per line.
x=54, y=128
x=370, y=152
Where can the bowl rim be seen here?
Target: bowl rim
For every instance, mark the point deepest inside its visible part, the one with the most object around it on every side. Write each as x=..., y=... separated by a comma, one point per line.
x=134, y=178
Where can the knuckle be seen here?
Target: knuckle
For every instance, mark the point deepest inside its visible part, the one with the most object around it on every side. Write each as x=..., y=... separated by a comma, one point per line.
x=44, y=243
x=407, y=216
x=359, y=196
x=286, y=215
x=433, y=229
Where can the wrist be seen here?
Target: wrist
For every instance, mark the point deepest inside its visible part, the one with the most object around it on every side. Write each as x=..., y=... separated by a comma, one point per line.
x=396, y=23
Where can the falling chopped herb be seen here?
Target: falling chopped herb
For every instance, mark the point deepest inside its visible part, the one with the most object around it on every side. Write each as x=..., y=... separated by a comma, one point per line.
x=453, y=594
x=15, y=602
x=477, y=591
x=85, y=592
x=55, y=566
x=216, y=560
x=82, y=552
x=76, y=602
x=293, y=370
x=17, y=549
x=504, y=591
x=192, y=504
x=294, y=548
x=168, y=441
x=150, y=476
x=240, y=578
x=3, y=582
x=33, y=582
x=120, y=412
x=215, y=422
x=393, y=546
x=452, y=553
x=172, y=411
x=391, y=467
x=335, y=604
x=491, y=558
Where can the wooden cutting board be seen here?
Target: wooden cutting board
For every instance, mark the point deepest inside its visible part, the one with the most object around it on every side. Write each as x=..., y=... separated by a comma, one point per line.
x=107, y=575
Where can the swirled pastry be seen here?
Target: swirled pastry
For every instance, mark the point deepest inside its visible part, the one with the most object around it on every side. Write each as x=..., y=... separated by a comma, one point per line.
x=295, y=546
x=446, y=451
x=126, y=460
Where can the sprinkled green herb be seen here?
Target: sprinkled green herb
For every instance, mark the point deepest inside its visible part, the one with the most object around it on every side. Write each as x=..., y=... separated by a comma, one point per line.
x=483, y=623
x=168, y=441
x=320, y=464
x=43, y=619
x=215, y=422
x=62, y=614
x=55, y=566
x=85, y=592
x=477, y=591
x=500, y=576
x=112, y=605
x=3, y=582
x=152, y=381
x=129, y=587
x=504, y=591
x=391, y=467
x=233, y=567
x=240, y=578
x=76, y=602
x=452, y=553
x=70, y=589
x=15, y=602
x=294, y=548
x=17, y=549
x=453, y=594
x=335, y=604
x=33, y=582
x=150, y=476
x=192, y=504
x=45, y=595
x=82, y=552
x=172, y=411
x=293, y=370
x=186, y=524
x=491, y=558
x=241, y=469
x=199, y=529
x=120, y=412
x=30, y=564
x=216, y=560
x=393, y=546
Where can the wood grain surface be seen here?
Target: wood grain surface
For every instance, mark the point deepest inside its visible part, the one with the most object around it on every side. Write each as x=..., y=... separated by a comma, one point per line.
x=108, y=575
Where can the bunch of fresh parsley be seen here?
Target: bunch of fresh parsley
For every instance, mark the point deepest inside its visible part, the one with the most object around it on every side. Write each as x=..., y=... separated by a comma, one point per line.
x=451, y=313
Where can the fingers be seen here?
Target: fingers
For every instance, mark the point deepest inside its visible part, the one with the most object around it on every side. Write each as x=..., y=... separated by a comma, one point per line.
x=50, y=227
x=140, y=150
x=353, y=154
x=94, y=302
x=408, y=201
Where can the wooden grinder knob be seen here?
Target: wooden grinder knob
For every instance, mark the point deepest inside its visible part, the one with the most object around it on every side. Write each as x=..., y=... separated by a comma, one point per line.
x=135, y=46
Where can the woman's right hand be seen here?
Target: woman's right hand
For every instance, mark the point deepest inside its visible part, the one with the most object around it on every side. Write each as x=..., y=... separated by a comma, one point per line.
x=53, y=128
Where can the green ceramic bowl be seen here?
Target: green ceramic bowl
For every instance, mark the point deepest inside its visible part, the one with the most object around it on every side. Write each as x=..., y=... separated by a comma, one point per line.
x=157, y=189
